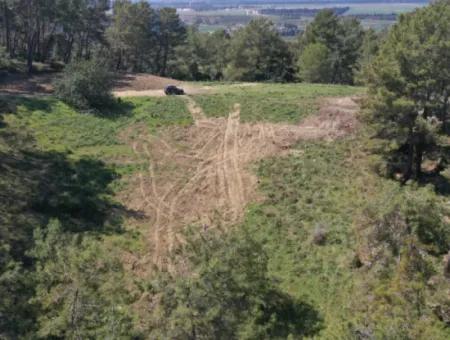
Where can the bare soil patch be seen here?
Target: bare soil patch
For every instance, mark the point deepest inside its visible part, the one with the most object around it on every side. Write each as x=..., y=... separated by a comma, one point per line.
x=147, y=85
x=202, y=174
x=18, y=83
x=143, y=82
x=126, y=85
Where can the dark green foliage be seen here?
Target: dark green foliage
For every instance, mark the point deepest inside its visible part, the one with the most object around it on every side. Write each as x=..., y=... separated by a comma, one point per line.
x=410, y=212
x=52, y=168
x=143, y=39
x=203, y=57
x=314, y=64
x=35, y=186
x=356, y=279
x=369, y=49
x=342, y=38
x=35, y=30
x=409, y=88
x=86, y=85
x=130, y=35
x=229, y=295
x=257, y=53
x=170, y=33
x=80, y=287
x=406, y=231
x=28, y=200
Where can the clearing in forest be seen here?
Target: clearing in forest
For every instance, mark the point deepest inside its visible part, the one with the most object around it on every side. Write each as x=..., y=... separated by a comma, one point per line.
x=202, y=174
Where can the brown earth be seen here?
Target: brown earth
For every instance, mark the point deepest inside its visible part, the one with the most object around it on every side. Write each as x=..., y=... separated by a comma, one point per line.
x=126, y=85
x=17, y=83
x=202, y=174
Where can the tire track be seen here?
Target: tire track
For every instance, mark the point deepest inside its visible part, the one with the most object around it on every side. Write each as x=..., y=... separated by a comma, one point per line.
x=201, y=174
x=196, y=111
x=230, y=156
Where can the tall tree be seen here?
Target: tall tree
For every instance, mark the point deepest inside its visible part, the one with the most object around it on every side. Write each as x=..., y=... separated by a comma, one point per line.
x=202, y=57
x=369, y=49
x=131, y=35
x=409, y=88
x=29, y=21
x=170, y=32
x=258, y=52
x=345, y=63
x=343, y=39
x=323, y=29
x=314, y=64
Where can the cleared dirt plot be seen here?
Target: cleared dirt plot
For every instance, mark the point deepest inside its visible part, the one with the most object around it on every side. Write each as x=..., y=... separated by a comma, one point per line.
x=144, y=85
x=126, y=85
x=202, y=174
x=188, y=160
x=23, y=84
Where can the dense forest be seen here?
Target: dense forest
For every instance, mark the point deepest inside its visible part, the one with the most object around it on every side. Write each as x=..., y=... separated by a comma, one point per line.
x=135, y=37
x=349, y=237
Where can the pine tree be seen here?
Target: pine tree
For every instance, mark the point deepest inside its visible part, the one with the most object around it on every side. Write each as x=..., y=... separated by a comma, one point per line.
x=409, y=89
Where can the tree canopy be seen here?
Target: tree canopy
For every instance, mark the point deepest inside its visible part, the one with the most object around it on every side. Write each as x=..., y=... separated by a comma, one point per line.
x=409, y=90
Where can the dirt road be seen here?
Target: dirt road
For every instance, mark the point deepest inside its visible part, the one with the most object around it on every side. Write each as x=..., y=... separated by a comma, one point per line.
x=125, y=85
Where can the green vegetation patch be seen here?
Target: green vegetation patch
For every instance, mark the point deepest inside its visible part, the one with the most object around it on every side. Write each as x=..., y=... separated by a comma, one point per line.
x=59, y=172
x=317, y=191
x=58, y=127
x=270, y=102
x=310, y=227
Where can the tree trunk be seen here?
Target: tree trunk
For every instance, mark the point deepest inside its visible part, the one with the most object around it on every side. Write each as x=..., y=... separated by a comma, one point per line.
x=68, y=51
x=445, y=115
x=30, y=51
x=164, y=61
x=119, y=60
x=418, y=161
x=409, y=164
x=7, y=28
x=48, y=43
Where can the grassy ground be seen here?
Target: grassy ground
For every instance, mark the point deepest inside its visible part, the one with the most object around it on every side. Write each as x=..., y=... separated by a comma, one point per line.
x=319, y=189
x=322, y=187
x=52, y=126
x=325, y=188
x=56, y=126
x=270, y=102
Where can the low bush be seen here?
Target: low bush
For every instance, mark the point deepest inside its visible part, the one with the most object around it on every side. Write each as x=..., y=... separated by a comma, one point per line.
x=6, y=63
x=86, y=85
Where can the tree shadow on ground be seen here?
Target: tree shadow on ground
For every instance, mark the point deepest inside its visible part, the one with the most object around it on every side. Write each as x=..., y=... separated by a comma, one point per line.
x=440, y=182
x=439, y=176
x=36, y=186
x=51, y=185
x=113, y=109
x=10, y=103
x=287, y=316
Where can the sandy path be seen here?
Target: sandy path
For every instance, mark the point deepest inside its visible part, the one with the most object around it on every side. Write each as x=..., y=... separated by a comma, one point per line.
x=200, y=175
x=195, y=110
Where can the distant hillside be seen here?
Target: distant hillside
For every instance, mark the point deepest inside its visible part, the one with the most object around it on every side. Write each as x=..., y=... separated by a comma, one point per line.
x=237, y=2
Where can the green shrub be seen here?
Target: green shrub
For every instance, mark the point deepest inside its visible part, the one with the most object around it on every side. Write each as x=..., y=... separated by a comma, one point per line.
x=5, y=61
x=315, y=64
x=85, y=85
x=409, y=212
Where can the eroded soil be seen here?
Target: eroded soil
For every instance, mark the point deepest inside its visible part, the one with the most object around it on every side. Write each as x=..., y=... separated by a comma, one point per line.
x=202, y=174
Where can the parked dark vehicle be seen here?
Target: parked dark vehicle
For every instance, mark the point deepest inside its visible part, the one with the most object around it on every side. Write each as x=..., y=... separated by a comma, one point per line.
x=173, y=90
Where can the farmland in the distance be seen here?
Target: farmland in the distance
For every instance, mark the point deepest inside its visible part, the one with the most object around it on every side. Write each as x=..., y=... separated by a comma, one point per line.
x=210, y=16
